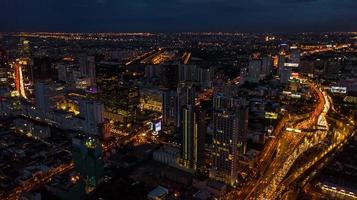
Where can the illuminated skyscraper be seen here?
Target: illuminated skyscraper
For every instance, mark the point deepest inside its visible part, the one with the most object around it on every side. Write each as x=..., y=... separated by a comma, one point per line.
x=88, y=160
x=230, y=120
x=191, y=129
x=294, y=55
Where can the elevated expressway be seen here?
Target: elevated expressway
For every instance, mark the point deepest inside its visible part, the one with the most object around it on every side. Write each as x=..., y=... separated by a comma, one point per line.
x=273, y=173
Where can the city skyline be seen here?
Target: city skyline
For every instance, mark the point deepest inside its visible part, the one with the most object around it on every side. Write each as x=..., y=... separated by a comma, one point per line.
x=178, y=99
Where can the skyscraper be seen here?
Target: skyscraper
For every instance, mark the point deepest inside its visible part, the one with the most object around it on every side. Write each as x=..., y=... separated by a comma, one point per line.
x=294, y=54
x=92, y=112
x=230, y=120
x=281, y=62
x=43, y=93
x=191, y=128
x=285, y=75
x=88, y=160
x=87, y=68
x=91, y=70
x=267, y=64
x=254, y=68
x=170, y=108
x=4, y=68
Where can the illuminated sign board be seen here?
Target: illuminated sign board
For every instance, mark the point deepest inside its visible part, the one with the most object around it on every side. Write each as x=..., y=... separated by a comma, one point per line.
x=340, y=90
x=158, y=126
x=291, y=64
x=271, y=115
x=155, y=126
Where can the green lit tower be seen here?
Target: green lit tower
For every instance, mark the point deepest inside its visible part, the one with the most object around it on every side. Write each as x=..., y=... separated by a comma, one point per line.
x=88, y=161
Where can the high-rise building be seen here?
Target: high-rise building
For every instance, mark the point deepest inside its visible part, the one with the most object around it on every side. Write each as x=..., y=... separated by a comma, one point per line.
x=285, y=75
x=92, y=112
x=281, y=62
x=4, y=68
x=152, y=71
x=254, y=68
x=187, y=72
x=243, y=75
x=169, y=77
x=191, y=128
x=83, y=65
x=170, y=108
x=201, y=75
x=230, y=120
x=186, y=94
x=88, y=161
x=205, y=76
x=87, y=68
x=294, y=54
x=62, y=73
x=43, y=94
x=267, y=64
x=91, y=70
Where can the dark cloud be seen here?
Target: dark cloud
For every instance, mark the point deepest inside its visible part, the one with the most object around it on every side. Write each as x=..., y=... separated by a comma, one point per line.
x=178, y=15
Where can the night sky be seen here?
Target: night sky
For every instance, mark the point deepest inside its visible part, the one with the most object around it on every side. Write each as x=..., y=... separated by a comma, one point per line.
x=178, y=15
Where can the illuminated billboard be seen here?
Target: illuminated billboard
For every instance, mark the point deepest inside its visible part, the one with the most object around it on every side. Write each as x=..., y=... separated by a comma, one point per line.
x=158, y=127
x=340, y=90
x=155, y=126
x=294, y=65
x=271, y=115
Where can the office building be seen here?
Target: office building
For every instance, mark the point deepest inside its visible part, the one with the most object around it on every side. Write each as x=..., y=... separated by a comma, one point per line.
x=93, y=114
x=62, y=73
x=88, y=161
x=88, y=68
x=285, y=75
x=230, y=120
x=192, y=128
x=43, y=94
x=281, y=62
x=267, y=64
x=254, y=68
x=294, y=56
x=170, y=108
x=4, y=68
x=187, y=72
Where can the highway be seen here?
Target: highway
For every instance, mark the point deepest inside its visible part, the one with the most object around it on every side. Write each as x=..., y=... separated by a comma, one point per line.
x=279, y=154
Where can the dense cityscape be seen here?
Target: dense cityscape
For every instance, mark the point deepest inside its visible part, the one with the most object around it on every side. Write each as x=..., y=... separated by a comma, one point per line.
x=178, y=116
